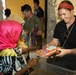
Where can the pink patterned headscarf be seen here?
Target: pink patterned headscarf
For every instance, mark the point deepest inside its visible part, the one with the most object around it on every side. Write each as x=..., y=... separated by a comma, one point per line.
x=9, y=33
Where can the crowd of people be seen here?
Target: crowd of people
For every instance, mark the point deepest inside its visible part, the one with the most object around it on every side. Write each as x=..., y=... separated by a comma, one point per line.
x=11, y=34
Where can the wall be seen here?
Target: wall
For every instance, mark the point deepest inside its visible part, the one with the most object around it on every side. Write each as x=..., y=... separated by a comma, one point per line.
x=1, y=12
x=15, y=5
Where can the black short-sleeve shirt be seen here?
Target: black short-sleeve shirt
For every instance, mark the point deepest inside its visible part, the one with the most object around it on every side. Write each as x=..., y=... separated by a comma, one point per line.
x=60, y=31
x=39, y=13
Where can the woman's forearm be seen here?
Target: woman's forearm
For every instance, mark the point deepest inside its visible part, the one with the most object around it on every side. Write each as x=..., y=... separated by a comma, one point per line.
x=30, y=48
x=22, y=71
x=66, y=51
x=72, y=51
x=54, y=42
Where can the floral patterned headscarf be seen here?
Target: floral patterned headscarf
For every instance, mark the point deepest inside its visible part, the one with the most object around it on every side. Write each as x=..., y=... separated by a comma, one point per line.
x=9, y=33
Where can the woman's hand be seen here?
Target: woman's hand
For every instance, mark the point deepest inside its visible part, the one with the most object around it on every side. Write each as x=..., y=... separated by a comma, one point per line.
x=33, y=62
x=30, y=48
x=63, y=52
x=54, y=42
x=39, y=33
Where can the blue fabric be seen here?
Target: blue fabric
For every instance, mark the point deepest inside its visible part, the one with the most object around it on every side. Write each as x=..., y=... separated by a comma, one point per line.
x=7, y=64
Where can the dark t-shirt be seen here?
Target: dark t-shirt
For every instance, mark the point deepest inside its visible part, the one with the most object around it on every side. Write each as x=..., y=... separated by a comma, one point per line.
x=31, y=23
x=59, y=32
x=39, y=13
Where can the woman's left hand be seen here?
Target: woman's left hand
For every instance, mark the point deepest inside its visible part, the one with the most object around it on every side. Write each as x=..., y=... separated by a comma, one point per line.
x=33, y=62
x=63, y=52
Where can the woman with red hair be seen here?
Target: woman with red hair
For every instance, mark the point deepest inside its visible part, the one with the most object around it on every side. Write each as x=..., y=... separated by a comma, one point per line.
x=65, y=36
x=10, y=32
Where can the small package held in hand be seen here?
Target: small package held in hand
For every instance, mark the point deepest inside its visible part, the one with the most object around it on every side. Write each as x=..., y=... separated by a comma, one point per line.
x=46, y=52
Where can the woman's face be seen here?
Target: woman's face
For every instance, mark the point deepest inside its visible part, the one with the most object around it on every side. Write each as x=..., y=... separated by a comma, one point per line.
x=65, y=15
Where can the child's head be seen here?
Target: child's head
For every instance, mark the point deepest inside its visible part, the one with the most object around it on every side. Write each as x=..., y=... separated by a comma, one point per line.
x=9, y=33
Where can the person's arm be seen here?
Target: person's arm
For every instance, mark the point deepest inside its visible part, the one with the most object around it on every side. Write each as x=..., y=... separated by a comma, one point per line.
x=64, y=52
x=43, y=22
x=54, y=42
x=72, y=51
x=39, y=24
x=39, y=32
x=30, y=48
x=33, y=62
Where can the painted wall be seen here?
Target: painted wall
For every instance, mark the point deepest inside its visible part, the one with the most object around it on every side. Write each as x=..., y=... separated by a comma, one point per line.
x=1, y=12
x=15, y=5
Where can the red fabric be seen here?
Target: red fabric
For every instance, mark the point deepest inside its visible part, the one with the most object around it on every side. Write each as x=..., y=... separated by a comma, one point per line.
x=9, y=33
x=0, y=74
x=65, y=5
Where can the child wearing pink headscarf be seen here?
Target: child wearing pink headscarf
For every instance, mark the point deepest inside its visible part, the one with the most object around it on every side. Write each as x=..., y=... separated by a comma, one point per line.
x=10, y=32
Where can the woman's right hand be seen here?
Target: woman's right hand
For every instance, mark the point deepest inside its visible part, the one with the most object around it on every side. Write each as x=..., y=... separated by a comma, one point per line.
x=33, y=62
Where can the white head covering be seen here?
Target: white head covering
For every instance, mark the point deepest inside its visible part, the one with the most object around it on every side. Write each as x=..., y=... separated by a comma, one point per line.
x=16, y=17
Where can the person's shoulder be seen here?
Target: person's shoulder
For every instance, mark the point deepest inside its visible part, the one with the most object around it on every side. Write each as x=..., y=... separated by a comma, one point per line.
x=35, y=17
x=40, y=8
x=75, y=16
x=60, y=23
